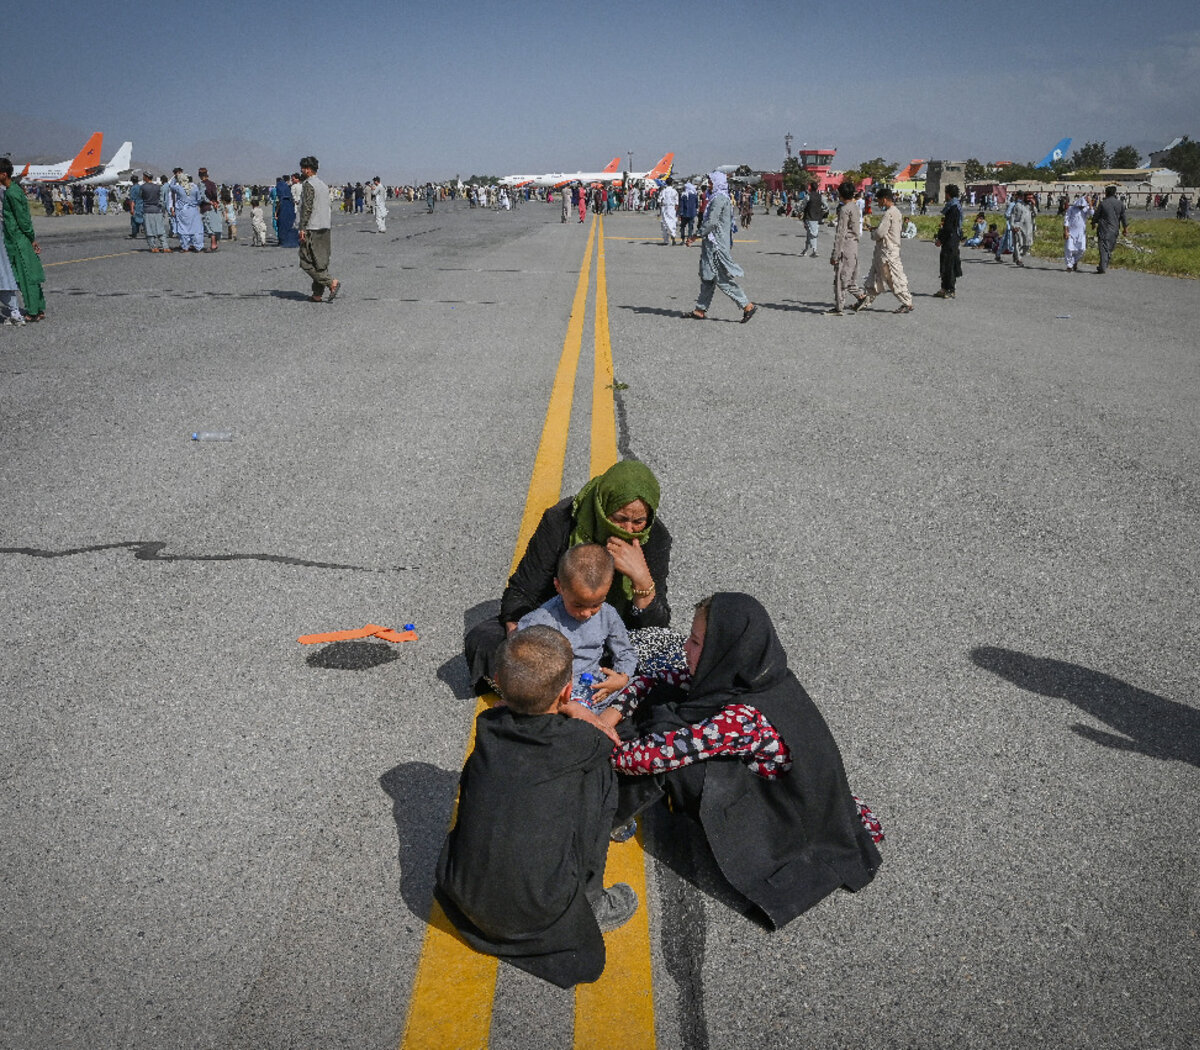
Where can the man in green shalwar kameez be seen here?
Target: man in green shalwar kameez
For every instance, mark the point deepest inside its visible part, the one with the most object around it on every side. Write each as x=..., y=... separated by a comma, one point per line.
x=23, y=248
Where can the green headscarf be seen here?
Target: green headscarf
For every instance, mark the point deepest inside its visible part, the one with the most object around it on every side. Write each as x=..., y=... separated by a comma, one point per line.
x=622, y=483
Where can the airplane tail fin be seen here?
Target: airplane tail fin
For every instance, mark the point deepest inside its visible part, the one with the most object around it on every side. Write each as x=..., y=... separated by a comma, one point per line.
x=87, y=161
x=613, y=165
x=663, y=168
x=1059, y=151
x=122, y=159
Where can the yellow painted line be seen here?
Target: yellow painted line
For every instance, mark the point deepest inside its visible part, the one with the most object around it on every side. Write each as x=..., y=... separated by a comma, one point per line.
x=545, y=485
x=600, y=1023
x=451, y=1002
x=90, y=258
x=604, y=421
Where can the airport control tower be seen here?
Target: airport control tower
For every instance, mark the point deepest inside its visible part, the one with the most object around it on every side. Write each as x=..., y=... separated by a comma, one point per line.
x=818, y=162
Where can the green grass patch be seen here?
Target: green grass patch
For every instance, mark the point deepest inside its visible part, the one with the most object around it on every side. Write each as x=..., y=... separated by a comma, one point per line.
x=1168, y=246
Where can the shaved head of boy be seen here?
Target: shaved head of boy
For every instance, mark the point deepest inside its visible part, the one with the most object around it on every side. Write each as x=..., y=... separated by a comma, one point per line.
x=585, y=574
x=534, y=670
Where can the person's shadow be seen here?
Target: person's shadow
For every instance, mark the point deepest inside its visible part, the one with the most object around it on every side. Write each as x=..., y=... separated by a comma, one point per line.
x=422, y=798
x=1145, y=723
x=454, y=672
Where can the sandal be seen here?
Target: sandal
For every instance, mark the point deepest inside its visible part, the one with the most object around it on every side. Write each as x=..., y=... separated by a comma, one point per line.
x=749, y=312
x=903, y=309
x=699, y=315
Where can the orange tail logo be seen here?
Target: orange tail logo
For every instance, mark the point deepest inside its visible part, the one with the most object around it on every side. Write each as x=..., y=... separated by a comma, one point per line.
x=87, y=161
x=663, y=168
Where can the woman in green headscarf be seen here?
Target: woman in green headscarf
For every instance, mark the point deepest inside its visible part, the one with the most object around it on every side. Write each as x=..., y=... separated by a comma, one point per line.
x=619, y=509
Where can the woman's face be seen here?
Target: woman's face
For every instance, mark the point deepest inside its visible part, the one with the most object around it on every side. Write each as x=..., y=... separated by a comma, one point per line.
x=694, y=645
x=633, y=517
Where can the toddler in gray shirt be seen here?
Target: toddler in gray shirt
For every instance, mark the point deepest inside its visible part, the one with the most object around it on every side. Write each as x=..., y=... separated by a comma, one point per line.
x=579, y=611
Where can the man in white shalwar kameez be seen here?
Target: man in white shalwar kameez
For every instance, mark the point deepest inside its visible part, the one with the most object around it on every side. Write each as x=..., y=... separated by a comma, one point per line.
x=379, y=205
x=1075, y=232
x=668, y=201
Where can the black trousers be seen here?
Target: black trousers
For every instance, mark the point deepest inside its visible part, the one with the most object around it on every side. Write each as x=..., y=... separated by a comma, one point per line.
x=950, y=265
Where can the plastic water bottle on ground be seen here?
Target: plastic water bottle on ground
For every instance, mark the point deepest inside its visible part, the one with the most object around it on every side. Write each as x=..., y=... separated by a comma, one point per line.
x=212, y=435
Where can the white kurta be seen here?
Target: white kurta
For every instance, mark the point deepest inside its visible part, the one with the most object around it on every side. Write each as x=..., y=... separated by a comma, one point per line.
x=1075, y=224
x=379, y=207
x=668, y=202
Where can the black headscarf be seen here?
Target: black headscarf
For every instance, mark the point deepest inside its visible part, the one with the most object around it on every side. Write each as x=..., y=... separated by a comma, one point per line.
x=742, y=660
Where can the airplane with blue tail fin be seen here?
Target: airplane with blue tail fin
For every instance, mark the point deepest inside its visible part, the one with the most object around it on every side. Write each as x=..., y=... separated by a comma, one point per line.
x=1055, y=154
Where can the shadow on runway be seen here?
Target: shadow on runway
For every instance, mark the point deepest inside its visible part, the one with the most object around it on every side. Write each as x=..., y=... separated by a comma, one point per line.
x=454, y=671
x=795, y=306
x=685, y=865
x=352, y=656
x=152, y=550
x=422, y=797
x=298, y=297
x=658, y=311
x=1145, y=723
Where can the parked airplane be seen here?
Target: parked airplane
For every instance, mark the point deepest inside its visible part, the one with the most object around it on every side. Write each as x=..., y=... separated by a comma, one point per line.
x=521, y=180
x=113, y=170
x=86, y=162
x=1057, y=153
x=731, y=171
x=560, y=178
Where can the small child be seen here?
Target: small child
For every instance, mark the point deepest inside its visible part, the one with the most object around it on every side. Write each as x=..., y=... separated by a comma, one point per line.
x=229, y=211
x=521, y=874
x=589, y=623
x=257, y=224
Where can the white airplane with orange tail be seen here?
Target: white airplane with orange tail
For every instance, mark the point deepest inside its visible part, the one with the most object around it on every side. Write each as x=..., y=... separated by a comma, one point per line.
x=86, y=162
x=555, y=179
x=524, y=180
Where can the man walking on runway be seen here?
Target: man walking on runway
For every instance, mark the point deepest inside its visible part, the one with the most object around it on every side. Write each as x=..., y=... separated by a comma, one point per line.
x=379, y=204
x=886, y=270
x=844, y=259
x=668, y=200
x=814, y=212
x=1108, y=220
x=316, y=218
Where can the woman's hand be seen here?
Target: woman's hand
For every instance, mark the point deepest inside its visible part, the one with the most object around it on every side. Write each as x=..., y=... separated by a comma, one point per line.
x=630, y=561
x=574, y=709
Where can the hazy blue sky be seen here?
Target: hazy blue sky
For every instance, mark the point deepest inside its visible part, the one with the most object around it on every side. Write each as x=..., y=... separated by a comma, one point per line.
x=416, y=91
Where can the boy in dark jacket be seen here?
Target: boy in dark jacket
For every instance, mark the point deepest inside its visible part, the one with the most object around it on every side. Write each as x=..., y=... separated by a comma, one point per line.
x=521, y=873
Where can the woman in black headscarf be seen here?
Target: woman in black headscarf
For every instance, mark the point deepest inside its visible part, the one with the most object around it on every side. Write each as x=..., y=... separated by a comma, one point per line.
x=739, y=745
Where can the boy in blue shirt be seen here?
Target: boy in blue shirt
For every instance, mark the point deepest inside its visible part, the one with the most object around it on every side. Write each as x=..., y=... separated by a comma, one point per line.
x=592, y=626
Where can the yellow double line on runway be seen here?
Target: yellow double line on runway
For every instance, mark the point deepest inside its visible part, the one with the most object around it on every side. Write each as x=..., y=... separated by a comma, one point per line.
x=451, y=1004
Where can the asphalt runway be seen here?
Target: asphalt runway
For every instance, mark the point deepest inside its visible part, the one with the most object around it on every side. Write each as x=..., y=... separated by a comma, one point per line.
x=975, y=527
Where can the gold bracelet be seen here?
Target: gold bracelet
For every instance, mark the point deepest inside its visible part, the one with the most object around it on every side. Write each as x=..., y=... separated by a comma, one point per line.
x=646, y=593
